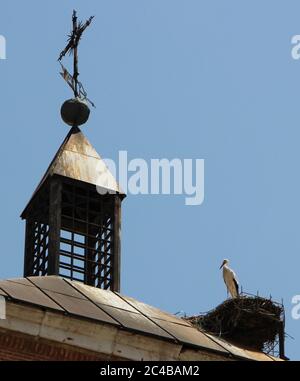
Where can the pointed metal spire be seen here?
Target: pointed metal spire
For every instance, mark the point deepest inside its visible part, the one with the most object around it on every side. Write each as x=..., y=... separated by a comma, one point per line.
x=77, y=159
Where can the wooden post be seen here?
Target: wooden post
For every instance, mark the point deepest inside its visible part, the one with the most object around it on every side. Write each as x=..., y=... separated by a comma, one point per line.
x=281, y=340
x=29, y=248
x=117, y=245
x=90, y=247
x=54, y=225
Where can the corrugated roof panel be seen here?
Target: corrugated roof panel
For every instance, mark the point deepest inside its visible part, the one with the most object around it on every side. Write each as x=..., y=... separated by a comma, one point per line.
x=100, y=296
x=55, y=284
x=29, y=294
x=135, y=321
x=80, y=307
x=153, y=312
x=190, y=335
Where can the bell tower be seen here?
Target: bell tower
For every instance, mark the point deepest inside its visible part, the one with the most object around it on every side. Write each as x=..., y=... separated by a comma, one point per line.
x=73, y=220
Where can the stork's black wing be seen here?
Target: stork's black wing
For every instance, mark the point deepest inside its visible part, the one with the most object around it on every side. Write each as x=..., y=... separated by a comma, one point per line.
x=236, y=285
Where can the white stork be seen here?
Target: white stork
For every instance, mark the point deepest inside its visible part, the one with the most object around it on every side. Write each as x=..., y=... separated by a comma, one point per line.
x=230, y=279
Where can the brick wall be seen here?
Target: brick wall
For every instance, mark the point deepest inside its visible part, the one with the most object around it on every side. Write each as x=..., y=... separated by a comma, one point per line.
x=20, y=347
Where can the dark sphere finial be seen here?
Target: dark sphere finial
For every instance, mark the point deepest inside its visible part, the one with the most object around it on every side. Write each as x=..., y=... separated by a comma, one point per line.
x=75, y=112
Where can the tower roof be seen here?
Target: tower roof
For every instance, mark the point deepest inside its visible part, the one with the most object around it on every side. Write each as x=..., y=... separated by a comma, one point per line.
x=77, y=159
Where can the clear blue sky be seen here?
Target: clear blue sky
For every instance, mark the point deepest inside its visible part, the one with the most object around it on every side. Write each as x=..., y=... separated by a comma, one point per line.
x=187, y=79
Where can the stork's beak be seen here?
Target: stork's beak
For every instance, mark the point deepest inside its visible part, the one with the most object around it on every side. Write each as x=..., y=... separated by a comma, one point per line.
x=222, y=265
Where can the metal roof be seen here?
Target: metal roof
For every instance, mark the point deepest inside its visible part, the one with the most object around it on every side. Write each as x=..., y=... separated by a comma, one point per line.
x=106, y=307
x=77, y=159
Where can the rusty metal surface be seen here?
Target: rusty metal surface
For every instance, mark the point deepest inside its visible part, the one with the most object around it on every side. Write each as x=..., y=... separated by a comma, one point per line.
x=3, y=293
x=104, y=297
x=258, y=356
x=275, y=358
x=235, y=351
x=78, y=143
x=240, y=352
x=80, y=307
x=55, y=284
x=23, y=281
x=84, y=168
x=135, y=321
x=190, y=335
x=77, y=159
x=29, y=294
x=153, y=312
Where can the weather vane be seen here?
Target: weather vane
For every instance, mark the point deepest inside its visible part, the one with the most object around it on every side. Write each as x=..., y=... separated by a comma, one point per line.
x=75, y=111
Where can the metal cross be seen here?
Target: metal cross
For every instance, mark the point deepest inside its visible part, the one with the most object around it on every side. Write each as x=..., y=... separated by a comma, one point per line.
x=72, y=48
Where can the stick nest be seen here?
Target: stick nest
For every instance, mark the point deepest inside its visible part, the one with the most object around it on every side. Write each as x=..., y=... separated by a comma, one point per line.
x=251, y=321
